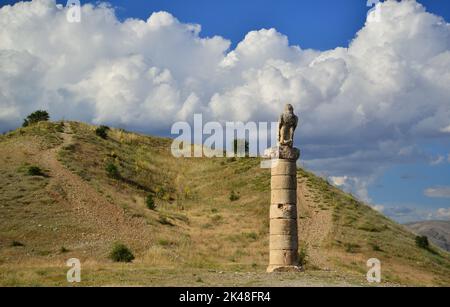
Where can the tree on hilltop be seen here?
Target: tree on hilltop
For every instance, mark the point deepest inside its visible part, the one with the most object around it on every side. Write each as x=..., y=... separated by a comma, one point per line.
x=35, y=117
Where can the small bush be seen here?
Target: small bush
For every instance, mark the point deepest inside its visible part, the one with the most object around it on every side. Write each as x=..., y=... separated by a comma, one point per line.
x=113, y=155
x=352, y=248
x=422, y=242
x=35, y=171
x=102, y=132
x=70, y=147
x=199, y=280
x=251, y=236
x=372, y=228
x=302, y=256
x=112, y=171
x=63, y=250
x=376, y=247
x=166, y=243
x=162, y=193
x=216, y=218
x=17, y=244
x=234, y=196
x=207, y=226
x=121, y=253
x=35, y=117
x=150, y=202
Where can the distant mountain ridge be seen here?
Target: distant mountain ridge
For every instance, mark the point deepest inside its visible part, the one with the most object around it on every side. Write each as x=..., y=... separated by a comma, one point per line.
x=437, y=231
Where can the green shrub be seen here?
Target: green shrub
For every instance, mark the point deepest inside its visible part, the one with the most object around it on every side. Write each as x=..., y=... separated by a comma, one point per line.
x=166, y=243
x=161, y=192
x=302, y=256
x=422, y=242
x=371, y=228
x=121, y=253
x=63, y=250
x=376, y=247
x=102, y=131
x=216, y=218
x=35, y=117
x=17, y=244
x=234, y=196
x=351, y=248
x=35, y=171
x=112, y=171
x=251, y=236
x=70, y=147
x=150, y=202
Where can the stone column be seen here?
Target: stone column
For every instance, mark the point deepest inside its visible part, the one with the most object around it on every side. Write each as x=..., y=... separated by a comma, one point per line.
x=283, y=211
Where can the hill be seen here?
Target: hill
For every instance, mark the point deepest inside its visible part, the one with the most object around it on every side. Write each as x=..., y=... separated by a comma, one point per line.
x=210, y=225
x=437, y=231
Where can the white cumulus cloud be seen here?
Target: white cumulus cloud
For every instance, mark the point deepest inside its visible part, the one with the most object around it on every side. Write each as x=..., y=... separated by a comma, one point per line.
x=363, y=107
x=443, y=213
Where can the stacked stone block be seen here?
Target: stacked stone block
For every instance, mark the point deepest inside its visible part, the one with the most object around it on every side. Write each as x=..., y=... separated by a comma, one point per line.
x=283, y=216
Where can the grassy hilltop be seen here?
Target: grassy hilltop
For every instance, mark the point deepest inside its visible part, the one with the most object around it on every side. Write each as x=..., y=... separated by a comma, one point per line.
x=66, y=192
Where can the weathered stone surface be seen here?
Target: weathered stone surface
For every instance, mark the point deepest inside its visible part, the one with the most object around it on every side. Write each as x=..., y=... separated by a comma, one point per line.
x=283, y=257
x=284, y=242
x=283, y=268
x=289, y=153
x=283, y=211
x=283, y=167
x=286, y=126
x=283, y=196
x=283, y=227
x=283, y=182
x=282, y=153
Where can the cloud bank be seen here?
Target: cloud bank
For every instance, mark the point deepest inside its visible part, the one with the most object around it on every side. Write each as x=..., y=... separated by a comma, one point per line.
x=438, y=192
x=362, y=108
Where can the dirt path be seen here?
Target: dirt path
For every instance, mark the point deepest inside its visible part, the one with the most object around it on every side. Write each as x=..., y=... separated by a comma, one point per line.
x=90, y=209
x=314, y=225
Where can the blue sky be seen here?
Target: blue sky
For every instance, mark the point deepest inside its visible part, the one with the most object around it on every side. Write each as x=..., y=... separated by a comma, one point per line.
x=319, y=25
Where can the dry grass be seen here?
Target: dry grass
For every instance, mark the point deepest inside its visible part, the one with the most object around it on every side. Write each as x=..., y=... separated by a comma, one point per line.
x=358, y=233
x=195, y=229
